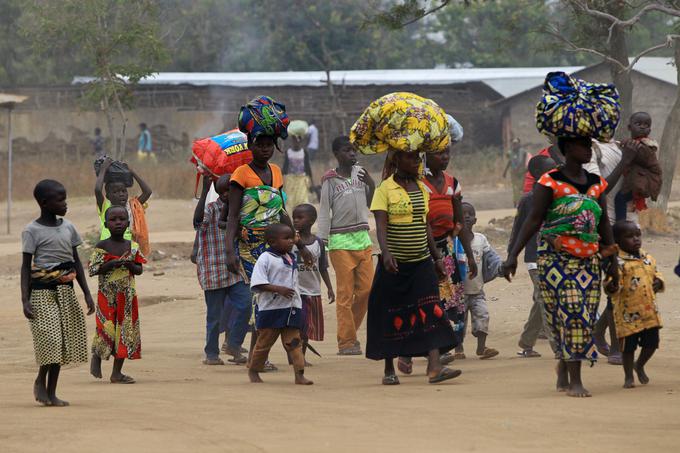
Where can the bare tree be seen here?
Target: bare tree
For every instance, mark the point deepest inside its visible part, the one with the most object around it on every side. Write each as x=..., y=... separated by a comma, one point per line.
x=618, y=26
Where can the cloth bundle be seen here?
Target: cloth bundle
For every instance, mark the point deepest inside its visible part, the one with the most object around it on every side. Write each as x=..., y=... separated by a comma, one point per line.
x=117, y=172
x=221, y=154
x=401, y=122
x=298, y=128
x=263, y=116
x=571, y=107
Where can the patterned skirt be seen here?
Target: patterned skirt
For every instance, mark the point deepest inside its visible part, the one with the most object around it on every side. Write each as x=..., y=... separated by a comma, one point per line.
x=451, y=289
x=251, y=245
x=405, y=314
x=571, y=292
x=58, y=326
x=312, y=315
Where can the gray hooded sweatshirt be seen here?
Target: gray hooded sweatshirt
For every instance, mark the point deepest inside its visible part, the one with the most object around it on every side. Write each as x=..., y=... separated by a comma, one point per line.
x=343, y=204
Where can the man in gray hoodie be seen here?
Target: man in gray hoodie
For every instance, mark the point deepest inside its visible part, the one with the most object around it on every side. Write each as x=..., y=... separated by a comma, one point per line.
x=346, y=193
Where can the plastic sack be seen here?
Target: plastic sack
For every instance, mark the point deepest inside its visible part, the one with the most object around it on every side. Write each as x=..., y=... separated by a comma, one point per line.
x=221, y=154
x=117, y=172
x=571, y=107
x=298, y=128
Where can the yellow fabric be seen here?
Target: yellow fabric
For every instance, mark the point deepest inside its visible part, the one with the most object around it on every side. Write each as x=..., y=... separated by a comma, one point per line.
x=635, y=302
x=297, y=191
x=391, y=197
x=402, y=122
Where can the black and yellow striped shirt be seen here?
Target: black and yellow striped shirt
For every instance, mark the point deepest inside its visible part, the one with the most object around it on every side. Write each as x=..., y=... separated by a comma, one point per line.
x=408, y=241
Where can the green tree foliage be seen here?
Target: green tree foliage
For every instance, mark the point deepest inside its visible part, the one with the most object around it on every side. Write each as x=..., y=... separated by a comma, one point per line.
x=118, y=39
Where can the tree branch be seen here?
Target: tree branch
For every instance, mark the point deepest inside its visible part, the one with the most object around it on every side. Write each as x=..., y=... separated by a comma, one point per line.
x=443, y=4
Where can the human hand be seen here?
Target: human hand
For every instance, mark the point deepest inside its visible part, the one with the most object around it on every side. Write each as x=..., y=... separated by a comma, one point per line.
x=657, y=285
x=193, y=258
x=233, y=262
x=28, y=310
x=306, y=256
x=510, y=267
x=365, y=177
x=288, y=293
x=331, y=296
x=472, y=267
x=612, y=286
x=90, y=303
x=439, y=267
x=629, y=150
x=389, y=262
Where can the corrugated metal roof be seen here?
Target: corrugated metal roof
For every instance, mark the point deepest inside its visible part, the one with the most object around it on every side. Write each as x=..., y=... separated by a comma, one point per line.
x=6, y=98
x=506, y=81
x=662, y=68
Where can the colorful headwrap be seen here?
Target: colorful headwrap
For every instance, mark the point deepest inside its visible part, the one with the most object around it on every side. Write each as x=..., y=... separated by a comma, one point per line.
x=263, y=116
x=571, y=107
x=402, y=122
x=455, y=129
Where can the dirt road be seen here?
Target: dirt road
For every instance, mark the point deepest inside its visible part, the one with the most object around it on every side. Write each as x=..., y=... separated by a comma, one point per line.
x=507, y=404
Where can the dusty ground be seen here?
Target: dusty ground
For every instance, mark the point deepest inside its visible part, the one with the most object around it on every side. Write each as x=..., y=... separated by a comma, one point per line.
x=507, y=404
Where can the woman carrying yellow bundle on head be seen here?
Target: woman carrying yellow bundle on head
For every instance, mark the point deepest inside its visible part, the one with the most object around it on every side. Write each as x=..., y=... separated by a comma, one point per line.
x=297, y=169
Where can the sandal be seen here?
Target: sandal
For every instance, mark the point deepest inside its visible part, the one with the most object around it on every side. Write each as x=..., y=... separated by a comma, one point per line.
x=488, y=353
x=405, y=365
x=216, y=361
x=447, y=358
x=238, y=360
x=459, y=356
x=390, y=379
x=528, y=353
x=444, y=375
x=124, y=379
x=269, y=367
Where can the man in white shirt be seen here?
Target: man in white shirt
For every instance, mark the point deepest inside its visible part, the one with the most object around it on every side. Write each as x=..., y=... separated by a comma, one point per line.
x=312, y=139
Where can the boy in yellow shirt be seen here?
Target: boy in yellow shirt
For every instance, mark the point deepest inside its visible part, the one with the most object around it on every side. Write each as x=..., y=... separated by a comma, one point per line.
x=636, y=314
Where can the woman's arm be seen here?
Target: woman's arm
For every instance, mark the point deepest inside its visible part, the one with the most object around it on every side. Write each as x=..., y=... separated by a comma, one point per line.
x=542, y=200
x=26, y=261
x=146, y=189
x=308, y=167
x=82, y=281
x=232, y=218
x=389, y=262
x=604, y=229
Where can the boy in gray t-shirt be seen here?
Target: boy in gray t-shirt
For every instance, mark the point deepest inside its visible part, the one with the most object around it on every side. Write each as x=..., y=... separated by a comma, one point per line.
x=50, y=264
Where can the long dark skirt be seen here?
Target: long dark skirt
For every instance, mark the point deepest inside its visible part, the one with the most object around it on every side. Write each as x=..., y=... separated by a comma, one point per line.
x=405, y=315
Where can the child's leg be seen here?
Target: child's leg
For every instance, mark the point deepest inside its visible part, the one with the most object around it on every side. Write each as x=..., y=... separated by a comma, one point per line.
x=214, y=301
x=628, y=363
x=460, y=348
x=260, y=352
x=576, y=388
x=621, y=204
x=650, y=343
x=52, y=379
x=292, y=343
x=479, y=314
x=363, y=280
x=40, y=386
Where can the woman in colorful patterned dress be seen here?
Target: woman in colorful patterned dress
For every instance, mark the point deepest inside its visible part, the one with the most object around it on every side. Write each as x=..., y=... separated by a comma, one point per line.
x=575, y=235
x=116, y=261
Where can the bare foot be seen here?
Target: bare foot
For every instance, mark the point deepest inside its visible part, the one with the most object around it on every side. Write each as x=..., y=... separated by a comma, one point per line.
x=57, y=402
x=562, y=377
x=642, y=376
x=578, y=391
x=254, y=377
x=629, y=383
x=300, y=379
x=96, y=366
x=40, y=394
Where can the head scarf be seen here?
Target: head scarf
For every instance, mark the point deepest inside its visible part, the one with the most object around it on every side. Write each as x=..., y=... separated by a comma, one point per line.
x=455, y=129
x=263, y=117
x=402, y=122
x=571, y=107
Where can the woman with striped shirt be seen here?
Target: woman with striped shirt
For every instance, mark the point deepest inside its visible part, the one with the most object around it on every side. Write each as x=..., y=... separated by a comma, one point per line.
x=405, y=315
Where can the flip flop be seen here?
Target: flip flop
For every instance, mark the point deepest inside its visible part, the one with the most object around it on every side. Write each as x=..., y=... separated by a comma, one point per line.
x=459, y=356
x=404, y=366
x=216, y=361
x=123, y=380
x=269, y=367
x=447, y=358
x=444, y=375
x=238, y=360
x=391, y=379
x=528, y=353
x=488, y=353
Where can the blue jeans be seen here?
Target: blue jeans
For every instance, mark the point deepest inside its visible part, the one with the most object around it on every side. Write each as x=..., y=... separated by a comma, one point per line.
x=239, y=298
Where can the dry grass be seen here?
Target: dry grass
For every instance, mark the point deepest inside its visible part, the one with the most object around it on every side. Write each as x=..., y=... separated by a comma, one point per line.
x=167, y=179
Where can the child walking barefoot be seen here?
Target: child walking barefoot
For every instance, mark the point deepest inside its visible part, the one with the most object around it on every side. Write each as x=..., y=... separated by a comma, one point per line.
x=634, y=299
x=309, y=280
x=279, y=306
x=116, y=261
x=50, y=264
